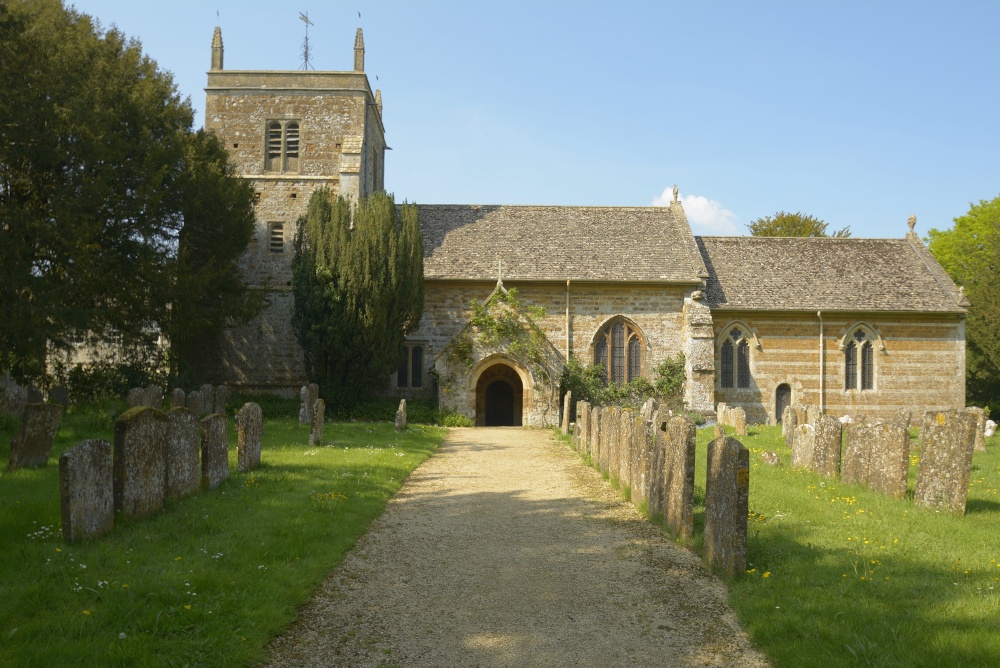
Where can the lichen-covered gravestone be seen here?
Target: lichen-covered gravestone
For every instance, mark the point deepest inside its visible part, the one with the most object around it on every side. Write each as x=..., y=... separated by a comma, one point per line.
x=720, y=413
x=727, y=503
x=177, y=398
x=596, y=417
x=678, y=476
x=207, y=407
x=980, y=415
x=583, y=412
x=788, y=424
x=249, y=431
x=153, y=397
x=221, y=397
x=183, y=453
x=657, y=459
x=626, y=424
x=567, y=404
x=86, y=490
x=316, y=432
x=739, y=421
x=945, y=461
x=827, y=441
x=194, y=402
x=13, y=397
x=32, y=444
x=401, y=415
x=889, y=459
x=135, y=398
x=214, y=451
x=304, y=411
x=140, y=463
x=803, y=446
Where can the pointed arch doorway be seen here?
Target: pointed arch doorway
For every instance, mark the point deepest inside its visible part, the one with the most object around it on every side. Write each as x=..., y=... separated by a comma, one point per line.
x=499, y=397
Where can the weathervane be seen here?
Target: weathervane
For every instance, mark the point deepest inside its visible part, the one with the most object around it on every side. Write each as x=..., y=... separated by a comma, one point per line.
x=306, y=65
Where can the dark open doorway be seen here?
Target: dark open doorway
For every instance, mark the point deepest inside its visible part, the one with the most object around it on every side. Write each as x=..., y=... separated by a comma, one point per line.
x=782, y=400
x=499, y=397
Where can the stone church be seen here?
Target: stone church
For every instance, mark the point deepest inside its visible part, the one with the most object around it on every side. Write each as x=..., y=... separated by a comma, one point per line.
x=851, y=325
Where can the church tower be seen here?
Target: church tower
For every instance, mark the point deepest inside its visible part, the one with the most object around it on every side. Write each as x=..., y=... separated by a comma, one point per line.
x=289, y=132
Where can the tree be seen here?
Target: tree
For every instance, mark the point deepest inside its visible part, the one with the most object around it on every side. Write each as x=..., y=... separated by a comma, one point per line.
x=798, y=224
x=357, y=280
x=96, y=165
x=970, y=253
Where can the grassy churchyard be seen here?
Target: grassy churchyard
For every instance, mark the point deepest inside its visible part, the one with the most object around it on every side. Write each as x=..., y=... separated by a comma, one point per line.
x=206, y=582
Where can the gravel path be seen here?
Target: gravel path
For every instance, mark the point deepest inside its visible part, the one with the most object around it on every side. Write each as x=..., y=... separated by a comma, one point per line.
x=504, y=550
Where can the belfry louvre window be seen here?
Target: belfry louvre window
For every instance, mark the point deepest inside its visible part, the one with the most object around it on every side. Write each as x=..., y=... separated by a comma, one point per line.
x=276, y=238
x=862, y=378
x=282, y=150
x=618, y=350
x=735, y=362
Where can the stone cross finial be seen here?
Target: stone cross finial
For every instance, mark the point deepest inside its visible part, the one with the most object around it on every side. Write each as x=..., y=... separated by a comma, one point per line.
x=912, y=222
x=675, y=193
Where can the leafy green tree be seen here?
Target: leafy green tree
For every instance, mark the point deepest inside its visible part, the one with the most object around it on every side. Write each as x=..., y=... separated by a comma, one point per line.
x=970, y=253
x=798, y=224
x=357, y=280
x=97, y=160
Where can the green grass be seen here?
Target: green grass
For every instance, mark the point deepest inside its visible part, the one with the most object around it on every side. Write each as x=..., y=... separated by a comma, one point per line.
x=209, y=580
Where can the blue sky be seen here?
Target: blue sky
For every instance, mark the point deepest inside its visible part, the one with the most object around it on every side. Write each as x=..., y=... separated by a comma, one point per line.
x=859, y=113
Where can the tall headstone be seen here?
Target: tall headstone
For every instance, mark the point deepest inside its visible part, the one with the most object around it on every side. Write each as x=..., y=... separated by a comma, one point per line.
x=827, y=440
x=207, y=399
x=945, y=461
x=401, y=415
x=153, y=396
x=980, y=415
x=812, y=414
x=214, y=451
x=567, y=405
x=657, y=459
x=720, y=413
x=678, y=477
x=221, y=397
x=177, y=398
x=316, y=433
x=305, y=412
x=139, y=462
x=727, y=503
x=313, y=399
x=856, y=462
x=183, y=453
x=584, y=411
x=804, y=446
x=596, y=429
x=889, y=458
x=249, y=432
x=32, y=444
x=626, y=423
x=789, y=421
x=86, y=490
x=739, y=421
x=194, y=402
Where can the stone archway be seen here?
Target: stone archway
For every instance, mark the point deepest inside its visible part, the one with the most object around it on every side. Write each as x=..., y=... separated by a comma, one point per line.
x=499, y=397
x=782, y=400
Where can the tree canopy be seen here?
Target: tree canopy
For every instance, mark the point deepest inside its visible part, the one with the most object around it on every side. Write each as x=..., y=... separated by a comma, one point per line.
x=357, y=279
x=970, y=253
x=798, y=224
x=102, y=183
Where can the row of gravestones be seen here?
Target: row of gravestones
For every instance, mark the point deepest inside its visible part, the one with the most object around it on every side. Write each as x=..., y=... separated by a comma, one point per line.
x=312, y=411
x=876, y=453
x=731, y=417
x=206, y=400
x=653, y=454
x=14, y=398
x=157, y=457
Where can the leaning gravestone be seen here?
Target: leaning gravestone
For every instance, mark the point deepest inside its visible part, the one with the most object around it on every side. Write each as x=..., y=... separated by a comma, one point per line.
x=827, y=440
x=177, y=398
x=221, y=397
x=32, y=444
x=316, y=433
x=567, y=404
x=59, y=395
x=401, y=415
x=980, y=415
x=727, y=503
x=139, y=464
x=945, y=461
x=85, y=490
x=804, y=446
x=214, y=451
x=648, y=409
x=183, y=453
x=249, y=431
x=678, y=477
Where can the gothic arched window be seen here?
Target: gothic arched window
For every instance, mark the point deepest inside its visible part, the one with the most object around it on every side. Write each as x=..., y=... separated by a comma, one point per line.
x=618, y=350
x=859, y=376
x=735, y=358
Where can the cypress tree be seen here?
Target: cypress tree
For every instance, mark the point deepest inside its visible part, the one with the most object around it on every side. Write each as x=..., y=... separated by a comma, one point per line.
x=357, y=280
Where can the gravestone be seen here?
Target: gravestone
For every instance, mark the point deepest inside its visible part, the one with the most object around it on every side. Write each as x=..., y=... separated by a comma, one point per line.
x=991, y=428
x=35, y=395
x=401, y=415
x=249, y=432
x=207, y=399
x=153, y=397
x=649, y=407
x=221, y=397
x=139, y=462
x=566, y=411
x=633, y=450
x=86, y=496
x=789, y=421
x=585, y=426
x=59, y=395
x=316, y=433
x=812, y=414
x=313, y=389
x=856, y=461
x=945, y=461
x=32, y=444
x=980, y=415
x=135, y=398
x=827, y=440
x=214, y=451
x=889, y=459
x=305, y=414
x=903, y=418
x=13, y=397
x=183, y=453
x=739, y=421
x=626, y=423
x=177, y=398
x=657, y=460
x=720, y=413
x=596, y=429
x=801, y=414
x=678, y=477
x=608, y=438
x=194, y=402
x=727, y=503
x=804, y=446
x=718, y=432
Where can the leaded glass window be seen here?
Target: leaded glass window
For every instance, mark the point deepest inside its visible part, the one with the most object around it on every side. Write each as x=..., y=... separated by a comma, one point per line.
x=851, y=367
x=859, y=374
x=618, y=350
x=735, y=360
x=727, y=363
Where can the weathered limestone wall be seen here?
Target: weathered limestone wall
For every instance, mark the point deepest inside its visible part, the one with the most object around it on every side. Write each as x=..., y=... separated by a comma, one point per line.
x=922, y=368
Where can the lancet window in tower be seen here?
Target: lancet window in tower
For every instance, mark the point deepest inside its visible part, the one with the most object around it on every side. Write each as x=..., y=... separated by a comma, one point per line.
x=618, y=350
x=281, y=153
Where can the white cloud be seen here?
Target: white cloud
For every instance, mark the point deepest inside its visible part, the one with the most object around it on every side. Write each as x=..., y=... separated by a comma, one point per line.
x=705, y=215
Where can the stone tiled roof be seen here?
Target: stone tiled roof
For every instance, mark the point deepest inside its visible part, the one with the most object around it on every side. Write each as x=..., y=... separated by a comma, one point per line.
x=822, y=274
x=558, y=243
